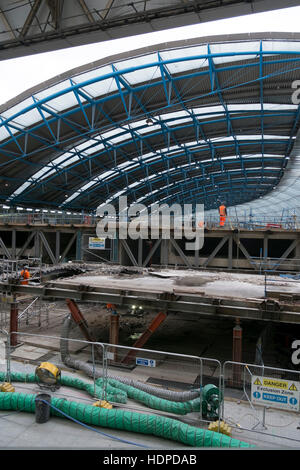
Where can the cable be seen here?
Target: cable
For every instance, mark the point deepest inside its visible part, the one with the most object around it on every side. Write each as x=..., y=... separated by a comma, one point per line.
x=93, y=429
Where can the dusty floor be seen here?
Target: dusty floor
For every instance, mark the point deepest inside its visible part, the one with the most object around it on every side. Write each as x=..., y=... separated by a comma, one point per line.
x=217, y=284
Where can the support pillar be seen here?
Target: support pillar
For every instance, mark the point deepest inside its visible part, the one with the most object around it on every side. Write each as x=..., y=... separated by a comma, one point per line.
x=80, y=321
x=13, y=244
x=230, y=246
x=113, y=331
x=78, y=318
x=57, y=246
x=140, y=251
x=13, y=324
x=79, y=246
x=37, y=247
x=145, y=336
x=237, y=354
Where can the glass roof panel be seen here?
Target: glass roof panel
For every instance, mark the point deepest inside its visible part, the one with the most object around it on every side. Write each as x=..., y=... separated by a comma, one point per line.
x=179, y=66
x=281, y=45
x=227, y=48
x=141, y=75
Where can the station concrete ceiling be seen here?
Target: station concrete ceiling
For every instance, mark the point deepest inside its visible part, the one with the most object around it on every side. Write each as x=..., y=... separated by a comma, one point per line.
x=36, y=26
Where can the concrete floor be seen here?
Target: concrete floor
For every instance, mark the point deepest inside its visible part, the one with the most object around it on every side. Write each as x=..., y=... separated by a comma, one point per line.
x=216, y=284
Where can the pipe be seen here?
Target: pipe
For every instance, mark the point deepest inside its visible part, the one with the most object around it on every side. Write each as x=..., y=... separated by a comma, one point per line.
x=159, y=426
x=91, y=371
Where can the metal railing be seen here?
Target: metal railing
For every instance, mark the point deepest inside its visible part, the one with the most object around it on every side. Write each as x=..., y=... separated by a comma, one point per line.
x=254, y=223
x=47, y=219
x=243, y=406
x=211, y=221
x=258, y=391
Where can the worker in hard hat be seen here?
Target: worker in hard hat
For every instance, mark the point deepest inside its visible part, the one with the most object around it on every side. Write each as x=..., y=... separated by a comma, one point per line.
x=25, y=275
x=223, y=214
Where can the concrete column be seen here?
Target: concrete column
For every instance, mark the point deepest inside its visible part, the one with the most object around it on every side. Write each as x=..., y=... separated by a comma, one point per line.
x=57, y=246
x=79, y=246
x=13, y=243
x=37, y=246
x=237, y=353
x=230, y=246
x=140, y=252
x=113, y=331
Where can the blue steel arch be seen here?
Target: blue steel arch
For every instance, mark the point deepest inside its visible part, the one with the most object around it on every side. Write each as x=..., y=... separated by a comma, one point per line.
x=222, y=127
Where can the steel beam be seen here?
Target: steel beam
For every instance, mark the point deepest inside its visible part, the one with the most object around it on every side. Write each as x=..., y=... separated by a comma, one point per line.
x=129, y=252
x=24, y=247
x=30, y=17
x=4, y=248
x=152, y=251
x=47, y=246
x=180, y=252
x=158, y=320
x=245, y=252
x=292, y=246
x=176, y=302
x=215, y=251
x=68, y=247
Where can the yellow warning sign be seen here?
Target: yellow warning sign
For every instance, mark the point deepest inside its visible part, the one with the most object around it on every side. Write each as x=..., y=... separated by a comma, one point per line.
x=273, y=383
x=293, y=387
x=257, y=382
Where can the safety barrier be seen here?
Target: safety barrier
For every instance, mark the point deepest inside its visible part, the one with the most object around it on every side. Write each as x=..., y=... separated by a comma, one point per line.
x=247, y=222
x=184, y=387
x=4, y=354
x=130, y=377
x=46, y=218
x=32, y=350
x=258, y=391
x=289, y=222
x=164, y=381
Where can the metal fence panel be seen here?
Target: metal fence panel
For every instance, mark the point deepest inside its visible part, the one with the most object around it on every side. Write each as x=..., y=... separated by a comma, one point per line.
x=262, y=399
x=33, y=350
x=162, y=381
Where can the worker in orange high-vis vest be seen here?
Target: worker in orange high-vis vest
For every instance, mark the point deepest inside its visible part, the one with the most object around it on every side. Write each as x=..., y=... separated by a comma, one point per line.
x=223, y=214
x=25, y=276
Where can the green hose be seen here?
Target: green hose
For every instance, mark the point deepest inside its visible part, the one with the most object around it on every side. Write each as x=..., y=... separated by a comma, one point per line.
x=125, y=420
x=118, y=392
x=112, y=394
x=152, y=401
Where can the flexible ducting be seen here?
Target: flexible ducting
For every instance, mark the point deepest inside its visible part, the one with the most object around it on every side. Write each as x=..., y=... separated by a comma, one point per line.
x=154, y=425
x=90, y=371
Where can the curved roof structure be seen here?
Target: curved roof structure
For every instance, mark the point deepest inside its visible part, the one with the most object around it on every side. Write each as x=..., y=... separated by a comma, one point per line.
x=186, y=122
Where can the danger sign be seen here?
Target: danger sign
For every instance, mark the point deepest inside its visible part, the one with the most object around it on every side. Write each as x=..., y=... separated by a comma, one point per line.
x=275, y=393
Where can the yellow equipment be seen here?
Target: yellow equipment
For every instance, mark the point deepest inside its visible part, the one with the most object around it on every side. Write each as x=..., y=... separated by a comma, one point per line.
x=223, y=429
x=103, y=404
x=7, y=387
x=48, y=374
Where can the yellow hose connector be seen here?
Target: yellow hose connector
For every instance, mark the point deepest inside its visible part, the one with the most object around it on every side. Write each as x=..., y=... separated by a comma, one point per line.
x=7, y=387
x=103, y=404
x=223, y=428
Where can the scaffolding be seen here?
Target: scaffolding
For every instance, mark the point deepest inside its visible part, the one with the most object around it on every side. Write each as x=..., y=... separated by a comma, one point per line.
x=11, y=268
